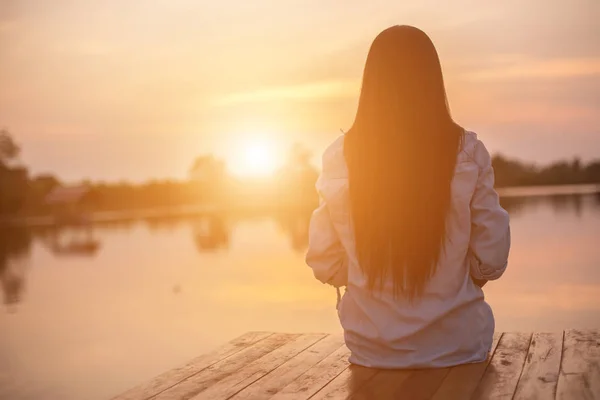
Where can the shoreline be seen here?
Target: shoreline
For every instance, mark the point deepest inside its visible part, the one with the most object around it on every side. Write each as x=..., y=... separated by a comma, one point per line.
x=187, y=211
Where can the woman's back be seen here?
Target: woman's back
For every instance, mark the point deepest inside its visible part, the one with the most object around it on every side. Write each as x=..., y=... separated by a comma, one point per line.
x=409, y=219
x=449, y=323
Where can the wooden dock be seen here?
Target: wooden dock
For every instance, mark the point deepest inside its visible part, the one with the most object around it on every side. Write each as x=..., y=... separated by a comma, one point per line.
x=278, y=366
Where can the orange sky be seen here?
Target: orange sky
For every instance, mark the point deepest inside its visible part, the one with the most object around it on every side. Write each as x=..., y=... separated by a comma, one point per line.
x=135, y=89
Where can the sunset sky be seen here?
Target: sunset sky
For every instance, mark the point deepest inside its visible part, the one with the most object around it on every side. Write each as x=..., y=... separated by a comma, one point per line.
x=134, y=89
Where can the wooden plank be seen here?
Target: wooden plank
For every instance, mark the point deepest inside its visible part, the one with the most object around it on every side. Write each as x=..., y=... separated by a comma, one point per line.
x=502, y=374
x=422, y=384
x=174, y=376
x=579, y=377
x=263, y=365
x=383, y=385
x=218, y=371
x=350, y=381
x=316, y=377
x=542, y=365
x=462, y=380
x=252, y=372
x=276, y=380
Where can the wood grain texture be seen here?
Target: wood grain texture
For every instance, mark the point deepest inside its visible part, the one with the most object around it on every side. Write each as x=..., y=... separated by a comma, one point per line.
x=579, y=377
x=264, y=365
x=422, y=384
x=462, y=381
x=317, y=377
x=542, y=365
x=350, y=381
x=174, y=376
x=502, y=374
x=252, y=372
x=276, y=380
x=216, y=372
x=383, y=385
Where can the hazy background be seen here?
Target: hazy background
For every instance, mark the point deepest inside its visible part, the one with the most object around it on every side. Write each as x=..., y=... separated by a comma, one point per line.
x=136, y=89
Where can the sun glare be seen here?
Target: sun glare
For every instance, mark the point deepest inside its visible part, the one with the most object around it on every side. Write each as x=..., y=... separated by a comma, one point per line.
x=254, y=159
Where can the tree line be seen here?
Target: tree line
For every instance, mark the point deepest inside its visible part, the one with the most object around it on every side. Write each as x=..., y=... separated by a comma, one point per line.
x=210, y=184
x=509, y=172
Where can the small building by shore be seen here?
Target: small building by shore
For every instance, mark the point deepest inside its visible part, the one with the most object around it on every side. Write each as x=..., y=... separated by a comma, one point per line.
x=71, y=204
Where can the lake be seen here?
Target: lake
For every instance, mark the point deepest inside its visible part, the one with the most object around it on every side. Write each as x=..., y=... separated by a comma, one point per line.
x=88, y=323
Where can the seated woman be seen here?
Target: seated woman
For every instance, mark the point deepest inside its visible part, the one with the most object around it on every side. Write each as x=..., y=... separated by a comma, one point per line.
x=409, y=220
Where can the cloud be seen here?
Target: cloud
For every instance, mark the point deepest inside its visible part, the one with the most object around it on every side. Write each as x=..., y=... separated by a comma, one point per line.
x=520, y=67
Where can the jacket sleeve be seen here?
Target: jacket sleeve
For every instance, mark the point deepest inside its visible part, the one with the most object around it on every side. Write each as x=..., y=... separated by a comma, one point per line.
x=490, y=230
x=326, y=255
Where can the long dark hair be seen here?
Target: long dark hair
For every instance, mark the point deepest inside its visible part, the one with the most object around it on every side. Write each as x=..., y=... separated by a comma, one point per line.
x=401, y=152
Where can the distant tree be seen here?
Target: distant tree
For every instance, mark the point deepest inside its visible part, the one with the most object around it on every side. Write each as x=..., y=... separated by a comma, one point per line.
x=592, y=172
x=515, y=173
x=207, y=168
x=557, y=173
x=511, y=172
x=40, y=186
x=299, y=156
x=208, y=180
x=297, y=178
x=13, y=181
x=9, y=150
x=576, y=165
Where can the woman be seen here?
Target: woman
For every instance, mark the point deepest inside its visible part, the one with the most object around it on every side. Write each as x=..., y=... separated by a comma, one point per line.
x=409, y=220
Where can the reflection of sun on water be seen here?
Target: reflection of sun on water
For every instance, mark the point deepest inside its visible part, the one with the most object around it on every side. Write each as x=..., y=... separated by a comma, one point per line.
x=254, y=159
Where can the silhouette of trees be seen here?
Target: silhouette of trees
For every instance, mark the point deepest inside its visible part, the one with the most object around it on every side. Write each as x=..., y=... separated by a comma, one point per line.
x=13, y=180
x=207, y=169
x=297, y=178
x=9, y=150
x=295, y=223
x=293, y=185
x=39, y=187
x=592, y=172
x=208, y=178
x=209, y=184
x=515, y=173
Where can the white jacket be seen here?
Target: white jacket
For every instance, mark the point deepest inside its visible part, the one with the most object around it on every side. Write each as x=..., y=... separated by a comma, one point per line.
x=451, y=323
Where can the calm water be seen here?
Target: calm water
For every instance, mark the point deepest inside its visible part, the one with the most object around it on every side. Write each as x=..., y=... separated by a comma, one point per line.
x=155, y=294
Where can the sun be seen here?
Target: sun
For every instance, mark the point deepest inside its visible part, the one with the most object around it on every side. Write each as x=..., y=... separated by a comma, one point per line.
x=255, y=158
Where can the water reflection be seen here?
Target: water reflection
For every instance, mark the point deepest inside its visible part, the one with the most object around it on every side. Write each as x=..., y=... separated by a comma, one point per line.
x=144, y=292
x=560, y=203
x=15, y=245
x=295, y=224
x=161, y=223
x=75, y=241
x=210, y=233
